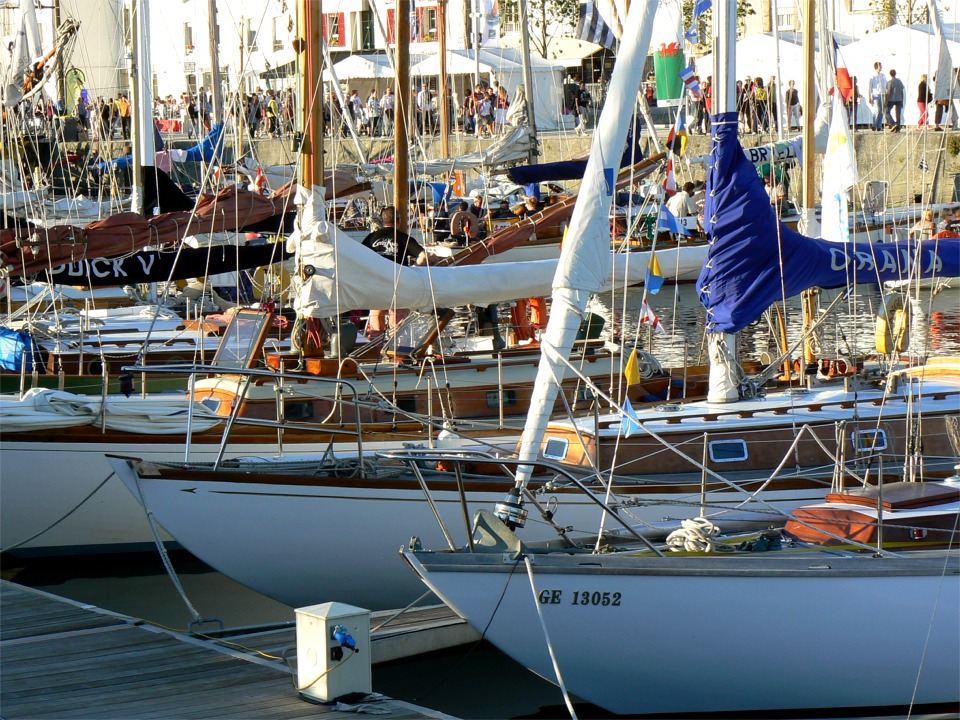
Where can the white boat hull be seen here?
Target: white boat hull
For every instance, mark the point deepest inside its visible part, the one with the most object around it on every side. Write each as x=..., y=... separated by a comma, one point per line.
x=713, y=634
x=319, y=539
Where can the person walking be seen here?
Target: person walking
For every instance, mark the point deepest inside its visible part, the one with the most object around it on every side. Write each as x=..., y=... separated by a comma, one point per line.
x=878, y=96
x=792, y=100
x=895, y=96
x=123, y=111
x=924, y=98
x=388, y=104
x=373, y=113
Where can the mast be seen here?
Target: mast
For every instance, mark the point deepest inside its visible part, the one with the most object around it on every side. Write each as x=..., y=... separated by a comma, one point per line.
x=807, y=183
x=723, y=380
x=442, y=90
x=311, y=99
x=216, y=99
x=401, y=160
x=144, y=148
x=585, y=256
x=528, y=77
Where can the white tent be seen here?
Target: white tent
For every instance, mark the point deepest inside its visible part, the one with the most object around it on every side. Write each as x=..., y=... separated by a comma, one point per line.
x=505, y=65
x=911, y=51
x=756, y=57
x=360, y=67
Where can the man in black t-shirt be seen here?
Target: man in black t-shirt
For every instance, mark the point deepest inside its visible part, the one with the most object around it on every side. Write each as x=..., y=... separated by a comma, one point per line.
x=394, y=244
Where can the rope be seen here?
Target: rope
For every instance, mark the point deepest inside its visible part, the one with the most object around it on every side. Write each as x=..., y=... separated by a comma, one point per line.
x=696, y=535
x=546, y=636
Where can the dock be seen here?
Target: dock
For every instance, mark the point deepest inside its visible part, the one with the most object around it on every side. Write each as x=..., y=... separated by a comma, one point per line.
x=63, y=659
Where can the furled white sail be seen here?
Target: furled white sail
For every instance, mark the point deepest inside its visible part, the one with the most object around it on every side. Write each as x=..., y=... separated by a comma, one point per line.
x=585, y=258
x=348, y=276
x=943, y=78
x=839, y=175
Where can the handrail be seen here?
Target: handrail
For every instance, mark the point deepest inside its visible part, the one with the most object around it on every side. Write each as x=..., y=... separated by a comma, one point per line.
x=459, y=457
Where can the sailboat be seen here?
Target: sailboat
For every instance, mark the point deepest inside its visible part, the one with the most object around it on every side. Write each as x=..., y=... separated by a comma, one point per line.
x=785, y=629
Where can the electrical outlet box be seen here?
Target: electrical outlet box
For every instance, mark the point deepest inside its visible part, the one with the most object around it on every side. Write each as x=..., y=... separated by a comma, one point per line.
x=325, y=669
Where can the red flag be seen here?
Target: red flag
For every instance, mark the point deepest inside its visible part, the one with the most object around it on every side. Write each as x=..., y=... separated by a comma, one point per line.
x=260, y=181
x=670, y=181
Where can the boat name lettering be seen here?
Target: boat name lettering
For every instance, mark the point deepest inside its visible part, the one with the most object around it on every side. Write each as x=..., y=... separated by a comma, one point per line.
x=104, y=267
x=887, y=259
x=581, y=597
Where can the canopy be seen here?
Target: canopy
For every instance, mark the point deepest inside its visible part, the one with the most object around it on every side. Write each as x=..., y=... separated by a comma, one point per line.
x=458, y=63
x=360, y=67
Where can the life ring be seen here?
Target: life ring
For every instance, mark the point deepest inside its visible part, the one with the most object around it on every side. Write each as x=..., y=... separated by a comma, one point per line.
x=893, y=325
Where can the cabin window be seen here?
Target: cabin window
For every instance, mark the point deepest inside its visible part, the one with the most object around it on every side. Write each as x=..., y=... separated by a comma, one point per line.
x=298, y=411
x=868, y=441
x=722, y=451
x=509, y=398
x=556, y=448
x=407, y=403
x=211, y=402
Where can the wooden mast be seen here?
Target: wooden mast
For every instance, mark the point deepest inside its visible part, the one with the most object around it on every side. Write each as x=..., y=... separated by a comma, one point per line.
x=809, y=191
x=311, y=96
x=442, y=98
x=401, y=162
x=216, y=92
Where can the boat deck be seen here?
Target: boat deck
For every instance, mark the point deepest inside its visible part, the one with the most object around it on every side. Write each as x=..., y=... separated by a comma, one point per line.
x=67, y=660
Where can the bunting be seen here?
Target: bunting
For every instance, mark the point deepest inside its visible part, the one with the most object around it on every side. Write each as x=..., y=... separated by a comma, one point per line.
x=647, y=315
x=632, y=422
x=654, y=278
x=691, y=82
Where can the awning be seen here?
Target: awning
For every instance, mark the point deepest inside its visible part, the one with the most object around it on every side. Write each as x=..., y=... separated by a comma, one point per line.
x=457, y=64
x=281, y=71
x=360, y=67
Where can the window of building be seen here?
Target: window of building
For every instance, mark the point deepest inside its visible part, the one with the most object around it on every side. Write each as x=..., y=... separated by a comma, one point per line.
x=333, y=30
x=188, y=38
x=278, y=34
x=366, y=30
x=510, y=17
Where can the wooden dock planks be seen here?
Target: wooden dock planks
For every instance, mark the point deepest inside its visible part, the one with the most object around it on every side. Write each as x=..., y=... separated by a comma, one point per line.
x=60, y=659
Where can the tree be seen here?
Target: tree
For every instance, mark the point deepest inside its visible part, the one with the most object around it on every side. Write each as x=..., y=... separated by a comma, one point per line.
x=705, y=20
x=904, y=12
x=547, y=18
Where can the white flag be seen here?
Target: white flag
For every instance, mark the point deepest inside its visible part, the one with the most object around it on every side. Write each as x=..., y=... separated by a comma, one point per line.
x=839, y=175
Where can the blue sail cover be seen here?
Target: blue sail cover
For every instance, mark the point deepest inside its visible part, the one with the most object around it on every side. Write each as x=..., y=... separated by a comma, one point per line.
x=742, y=276
x=207, y=148
x=572, y=169
x=127, y=160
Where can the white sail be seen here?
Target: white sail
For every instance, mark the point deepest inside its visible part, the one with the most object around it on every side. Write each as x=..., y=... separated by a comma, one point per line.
x=839, y=175
x=348, y=276
x=944, y=78
x=585, y=258
x=26, y=50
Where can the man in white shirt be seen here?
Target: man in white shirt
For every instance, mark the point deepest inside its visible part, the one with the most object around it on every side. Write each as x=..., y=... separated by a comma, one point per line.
x=682, y=204
x=878, y=95
x=424, y=107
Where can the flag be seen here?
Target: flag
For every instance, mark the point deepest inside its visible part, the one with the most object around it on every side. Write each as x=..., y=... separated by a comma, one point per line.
x=701, y=6
x=654, y=279
x=691, y=82
x=260, y=181
x=666, y=220
x=670, y=181
x=631, y=372
x=677, y=139
x=691, y=35
x=839, y=175
x=844, y=82
x=632, y=423
x=923, y=164
x=647, y=315
x=593, y=28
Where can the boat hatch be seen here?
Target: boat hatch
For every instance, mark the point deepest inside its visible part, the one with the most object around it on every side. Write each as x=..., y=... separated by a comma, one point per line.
x=509, y=398
x=555, y=448
x=722, y=451
x=867, y=441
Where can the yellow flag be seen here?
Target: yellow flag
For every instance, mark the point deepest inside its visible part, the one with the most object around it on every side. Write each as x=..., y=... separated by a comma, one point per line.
x=632, y=371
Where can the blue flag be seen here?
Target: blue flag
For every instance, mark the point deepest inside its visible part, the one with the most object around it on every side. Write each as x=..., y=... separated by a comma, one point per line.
x=630, y=423
x=654, y=279
x=668, y=221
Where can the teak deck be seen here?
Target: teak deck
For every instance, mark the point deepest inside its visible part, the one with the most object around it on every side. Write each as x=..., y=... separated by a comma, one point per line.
x=61, y=659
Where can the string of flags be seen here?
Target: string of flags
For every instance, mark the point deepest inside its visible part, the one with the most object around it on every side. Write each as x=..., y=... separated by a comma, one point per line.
x=699, y=8
x=647, y=315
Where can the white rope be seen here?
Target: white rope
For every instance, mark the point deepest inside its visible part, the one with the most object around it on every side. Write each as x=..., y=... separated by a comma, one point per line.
x=695, y=535
x=546, y=636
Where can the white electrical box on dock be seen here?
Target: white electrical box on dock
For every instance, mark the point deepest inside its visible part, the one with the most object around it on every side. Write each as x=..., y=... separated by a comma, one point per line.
x=327, y=666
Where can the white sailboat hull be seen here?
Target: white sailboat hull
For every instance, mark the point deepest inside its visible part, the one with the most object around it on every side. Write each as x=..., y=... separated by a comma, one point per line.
x=313, y=539
x=736, y=634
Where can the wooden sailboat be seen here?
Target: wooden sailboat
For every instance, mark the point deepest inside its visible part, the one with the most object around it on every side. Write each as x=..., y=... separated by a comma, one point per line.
x=756, y=610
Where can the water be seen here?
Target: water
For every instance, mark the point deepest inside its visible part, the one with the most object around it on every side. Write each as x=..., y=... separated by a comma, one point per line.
x=847, y=330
